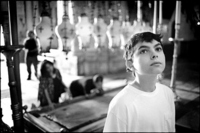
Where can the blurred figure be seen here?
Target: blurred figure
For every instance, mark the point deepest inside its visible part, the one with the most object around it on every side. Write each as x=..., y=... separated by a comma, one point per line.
x=87, y=86
x=51, y=86
x=32, y=50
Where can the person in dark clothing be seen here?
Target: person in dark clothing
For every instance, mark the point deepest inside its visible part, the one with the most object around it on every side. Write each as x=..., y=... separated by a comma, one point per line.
x=87, y=86
x=32, y=48
x=51, y=86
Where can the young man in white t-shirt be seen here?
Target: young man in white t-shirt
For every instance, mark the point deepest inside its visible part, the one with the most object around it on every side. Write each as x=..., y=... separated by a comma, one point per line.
x=144, y=105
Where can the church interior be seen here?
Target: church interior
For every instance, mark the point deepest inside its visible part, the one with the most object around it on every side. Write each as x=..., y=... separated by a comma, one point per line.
x=83, y=39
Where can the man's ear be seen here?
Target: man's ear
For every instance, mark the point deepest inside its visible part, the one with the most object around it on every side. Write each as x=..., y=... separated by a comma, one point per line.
x=129, y=64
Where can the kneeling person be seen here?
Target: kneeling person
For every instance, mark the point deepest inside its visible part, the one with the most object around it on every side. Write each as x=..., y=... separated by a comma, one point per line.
x=87, y=86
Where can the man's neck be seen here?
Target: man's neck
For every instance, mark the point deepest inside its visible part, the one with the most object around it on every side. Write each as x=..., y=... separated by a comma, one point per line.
x=145, y=82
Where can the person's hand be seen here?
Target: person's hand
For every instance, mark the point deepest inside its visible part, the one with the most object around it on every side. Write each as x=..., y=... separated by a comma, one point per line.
x=87, y=96
x=64, y=97
x=94, y=91
x=97, y=92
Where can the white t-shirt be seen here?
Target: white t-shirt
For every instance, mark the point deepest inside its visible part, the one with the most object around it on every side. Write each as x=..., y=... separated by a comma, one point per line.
x=133, y=110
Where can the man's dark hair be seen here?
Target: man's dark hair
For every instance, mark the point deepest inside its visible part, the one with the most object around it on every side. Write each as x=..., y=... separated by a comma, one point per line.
x=43, y=70
x=98, y=78
x=129, y=48
x=137, y=38
x=29, y=32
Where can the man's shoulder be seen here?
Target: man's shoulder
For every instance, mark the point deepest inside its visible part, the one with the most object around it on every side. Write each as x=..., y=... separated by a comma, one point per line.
x=164, y=87
x=76, y=81
x=124, y=96
x=122, y=101
x=27, y=41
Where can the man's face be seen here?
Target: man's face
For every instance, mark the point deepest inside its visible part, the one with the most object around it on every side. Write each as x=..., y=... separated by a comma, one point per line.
x=49, y=68
x=149, y=58
x=31, y=35
x=99, y=84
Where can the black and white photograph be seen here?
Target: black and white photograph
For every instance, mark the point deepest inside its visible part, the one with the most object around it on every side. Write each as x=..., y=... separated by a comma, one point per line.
x=99, y=66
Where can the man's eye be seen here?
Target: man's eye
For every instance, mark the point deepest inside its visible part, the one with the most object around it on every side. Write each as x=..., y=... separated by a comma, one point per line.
x=159, y=49
x=143, y=51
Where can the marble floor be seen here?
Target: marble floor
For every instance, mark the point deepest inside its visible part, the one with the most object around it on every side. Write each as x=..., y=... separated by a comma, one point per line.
x=187, y=90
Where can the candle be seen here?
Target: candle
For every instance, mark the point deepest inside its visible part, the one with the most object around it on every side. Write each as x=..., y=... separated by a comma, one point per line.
x=178, y=12
x=60, y=11
x=1, y=36
x=139, y=11
x=160, y=12
x=155, y=17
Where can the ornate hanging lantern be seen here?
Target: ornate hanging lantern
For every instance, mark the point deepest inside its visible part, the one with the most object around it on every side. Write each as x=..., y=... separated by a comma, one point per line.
x=100, y=29
x=45, y=29
x=84, y=30
x=66, y=30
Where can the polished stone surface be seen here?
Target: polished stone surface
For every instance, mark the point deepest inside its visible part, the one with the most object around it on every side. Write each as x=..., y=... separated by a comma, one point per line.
x=187, y=89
